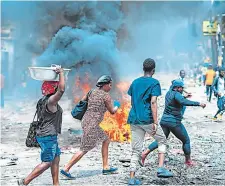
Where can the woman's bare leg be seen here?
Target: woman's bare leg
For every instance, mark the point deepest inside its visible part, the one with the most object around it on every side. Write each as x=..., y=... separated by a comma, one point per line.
x=105, y=154
x=76, y=157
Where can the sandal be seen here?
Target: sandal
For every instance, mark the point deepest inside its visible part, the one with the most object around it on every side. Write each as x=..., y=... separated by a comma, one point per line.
x=109, y=171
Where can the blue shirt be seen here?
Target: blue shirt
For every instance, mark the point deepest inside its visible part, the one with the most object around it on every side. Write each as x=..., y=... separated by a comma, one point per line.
x=141, y=91
x=174, y=103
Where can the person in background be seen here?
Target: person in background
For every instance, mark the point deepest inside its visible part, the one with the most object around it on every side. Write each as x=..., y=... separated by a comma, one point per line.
x=182, y=75
x=203, y=70
x=171, y=120
x=143, y=119
x=218, y=87
x=210, y=75
x=99, y=101
x=2, y=80
x=49, y=128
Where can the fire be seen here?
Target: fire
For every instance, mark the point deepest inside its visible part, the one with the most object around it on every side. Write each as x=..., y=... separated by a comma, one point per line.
x=82, y=86
x=114, y=125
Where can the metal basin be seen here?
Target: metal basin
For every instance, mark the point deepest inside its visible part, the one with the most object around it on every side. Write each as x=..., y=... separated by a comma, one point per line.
x=46, y=73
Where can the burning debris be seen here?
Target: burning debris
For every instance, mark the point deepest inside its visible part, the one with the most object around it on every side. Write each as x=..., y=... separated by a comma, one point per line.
x=114, y=125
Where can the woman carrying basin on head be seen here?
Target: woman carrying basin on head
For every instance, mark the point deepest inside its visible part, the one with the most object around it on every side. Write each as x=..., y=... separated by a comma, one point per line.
x=99, y=101
x=50, y=117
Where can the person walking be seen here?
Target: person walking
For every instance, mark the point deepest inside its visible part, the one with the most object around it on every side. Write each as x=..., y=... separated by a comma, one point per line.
x=143, y=119
x=48, y=130
x=218, y=87
x=99, y=101
x=210, y=75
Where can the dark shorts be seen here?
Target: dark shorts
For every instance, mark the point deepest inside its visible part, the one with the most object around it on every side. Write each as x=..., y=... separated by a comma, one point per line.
x=49, y=148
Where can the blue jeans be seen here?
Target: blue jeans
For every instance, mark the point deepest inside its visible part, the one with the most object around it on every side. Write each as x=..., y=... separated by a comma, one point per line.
x=209, y=92
x=179, y=131
x=220, y=105
x=49, y=148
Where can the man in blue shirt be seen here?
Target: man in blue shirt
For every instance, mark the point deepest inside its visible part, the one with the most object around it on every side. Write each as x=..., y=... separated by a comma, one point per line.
x=143, y=118
x=218, y=87
x=172, y=117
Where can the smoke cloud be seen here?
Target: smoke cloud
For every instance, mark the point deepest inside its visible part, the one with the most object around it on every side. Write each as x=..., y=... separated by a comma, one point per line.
x=106, y=37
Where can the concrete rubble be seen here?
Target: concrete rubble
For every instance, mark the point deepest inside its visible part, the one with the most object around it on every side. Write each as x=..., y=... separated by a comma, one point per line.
x=207, y=140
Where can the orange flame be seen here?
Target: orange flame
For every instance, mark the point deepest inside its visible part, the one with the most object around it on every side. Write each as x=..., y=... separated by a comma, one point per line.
x=114, y=125
x=82, y=87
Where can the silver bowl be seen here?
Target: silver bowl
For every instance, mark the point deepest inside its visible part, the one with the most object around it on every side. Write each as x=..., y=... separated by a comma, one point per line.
x=46, y=73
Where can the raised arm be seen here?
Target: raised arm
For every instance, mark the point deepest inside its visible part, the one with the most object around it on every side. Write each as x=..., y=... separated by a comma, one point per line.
x=53, y=100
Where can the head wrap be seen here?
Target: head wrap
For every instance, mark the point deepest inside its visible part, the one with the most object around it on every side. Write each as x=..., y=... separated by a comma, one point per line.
x=103, y=80
x=49, y=87
x=177, y=83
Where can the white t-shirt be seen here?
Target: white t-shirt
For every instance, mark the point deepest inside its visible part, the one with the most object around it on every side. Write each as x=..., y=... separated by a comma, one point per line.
x=184, y=81
x=221, y=86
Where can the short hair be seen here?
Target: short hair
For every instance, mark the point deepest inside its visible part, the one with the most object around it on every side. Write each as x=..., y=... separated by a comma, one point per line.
x=210, y=66
x=148, y=65
x=182, y=71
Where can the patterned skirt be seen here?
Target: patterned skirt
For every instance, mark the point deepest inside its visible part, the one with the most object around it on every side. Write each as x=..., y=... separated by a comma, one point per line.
x=92, y=134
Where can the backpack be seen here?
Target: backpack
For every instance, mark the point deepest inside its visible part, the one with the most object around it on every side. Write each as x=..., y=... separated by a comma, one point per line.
x=31, y=136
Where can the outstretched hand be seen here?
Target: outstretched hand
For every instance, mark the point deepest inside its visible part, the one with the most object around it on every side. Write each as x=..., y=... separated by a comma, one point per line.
x=203, y=105
x=188, y=95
